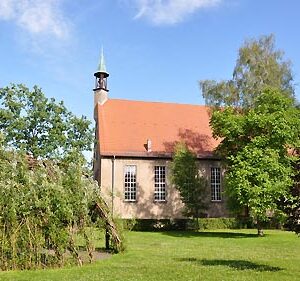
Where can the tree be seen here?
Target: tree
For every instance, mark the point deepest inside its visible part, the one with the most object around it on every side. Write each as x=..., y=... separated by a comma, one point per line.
x=256, y=143
x=291, y=206
x=191, y=185
x=258, y=65
x=39, y=126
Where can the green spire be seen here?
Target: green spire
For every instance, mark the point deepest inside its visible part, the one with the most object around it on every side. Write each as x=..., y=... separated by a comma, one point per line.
x=101, y=67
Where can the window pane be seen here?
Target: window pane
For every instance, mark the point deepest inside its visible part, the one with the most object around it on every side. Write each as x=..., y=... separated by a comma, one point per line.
x=215, y=183
x=130, y=183
x=160, y=183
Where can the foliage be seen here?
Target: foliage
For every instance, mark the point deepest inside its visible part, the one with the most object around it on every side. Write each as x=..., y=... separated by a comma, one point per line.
x=155, y=224
x=207, y=255
x=47, y=197
x=39, y=126
x=257, y=178
x=256, y=143
x=219, y=223
x=113, y=227
x=259, y=65
x=185, y=224
x=187, y=179
x=42, y=208
x=291, y=207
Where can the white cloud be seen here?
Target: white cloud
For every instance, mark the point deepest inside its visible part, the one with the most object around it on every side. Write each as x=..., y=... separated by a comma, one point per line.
x=170, y=11
x=6, y=9
x=36, y=16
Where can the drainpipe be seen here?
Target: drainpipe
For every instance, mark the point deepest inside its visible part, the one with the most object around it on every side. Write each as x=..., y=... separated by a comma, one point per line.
x=112, y=184
x=107, y=235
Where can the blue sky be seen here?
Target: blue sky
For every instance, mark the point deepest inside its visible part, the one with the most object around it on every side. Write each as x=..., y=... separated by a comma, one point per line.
x=155, y=50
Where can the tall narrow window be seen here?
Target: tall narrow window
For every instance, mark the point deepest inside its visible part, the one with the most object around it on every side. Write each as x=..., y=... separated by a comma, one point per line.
x=215, y=184
x=159, y=183
x=130, y=183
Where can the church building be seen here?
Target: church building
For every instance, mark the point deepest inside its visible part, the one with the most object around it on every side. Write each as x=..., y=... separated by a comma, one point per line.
x=135, y=142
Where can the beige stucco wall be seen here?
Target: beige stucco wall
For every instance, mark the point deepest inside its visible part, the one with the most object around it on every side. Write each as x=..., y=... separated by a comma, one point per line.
x=145, y=207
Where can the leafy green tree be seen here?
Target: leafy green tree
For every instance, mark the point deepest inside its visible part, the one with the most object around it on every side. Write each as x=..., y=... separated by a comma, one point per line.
x=291, y=206
x=256, y=145
x=258, y=65
x=295, y=211
x=190, y=183
x=40, y=126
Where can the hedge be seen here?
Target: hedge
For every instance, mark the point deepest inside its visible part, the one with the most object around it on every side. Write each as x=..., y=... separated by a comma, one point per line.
x=185, y=224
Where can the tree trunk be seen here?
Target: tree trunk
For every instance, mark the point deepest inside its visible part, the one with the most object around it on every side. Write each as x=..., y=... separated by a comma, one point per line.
x=260, y=231
x=107, y=238
x=197, y=221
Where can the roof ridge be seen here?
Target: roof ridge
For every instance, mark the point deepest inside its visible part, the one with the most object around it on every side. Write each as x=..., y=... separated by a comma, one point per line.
x=157, y=102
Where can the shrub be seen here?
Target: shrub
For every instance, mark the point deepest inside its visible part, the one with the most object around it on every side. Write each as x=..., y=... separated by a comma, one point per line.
x=154, y=224
x=185, y=224
x=42, y=208
x=218, y=223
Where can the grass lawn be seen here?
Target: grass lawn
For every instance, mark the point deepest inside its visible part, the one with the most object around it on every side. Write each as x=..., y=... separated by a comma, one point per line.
x=211, y=255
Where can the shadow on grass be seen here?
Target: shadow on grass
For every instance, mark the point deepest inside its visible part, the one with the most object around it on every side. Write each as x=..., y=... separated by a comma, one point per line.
x=208, y=234
x=97, y=249
x=236, y=264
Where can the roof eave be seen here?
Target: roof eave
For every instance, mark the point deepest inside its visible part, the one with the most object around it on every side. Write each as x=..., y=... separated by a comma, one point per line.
x=153, y=155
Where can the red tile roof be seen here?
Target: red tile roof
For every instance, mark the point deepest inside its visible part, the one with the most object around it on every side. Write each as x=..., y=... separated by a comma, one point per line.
x=125, y=126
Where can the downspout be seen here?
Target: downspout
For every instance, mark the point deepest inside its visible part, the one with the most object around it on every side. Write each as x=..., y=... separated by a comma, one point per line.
x=107, y=234
x=112, y=184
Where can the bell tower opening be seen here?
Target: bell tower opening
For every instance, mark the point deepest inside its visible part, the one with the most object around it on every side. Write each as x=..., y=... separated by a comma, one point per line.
x=101, y=89
x=101, y=74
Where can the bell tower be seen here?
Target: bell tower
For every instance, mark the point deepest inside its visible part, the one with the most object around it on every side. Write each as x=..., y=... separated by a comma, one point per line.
x=101, y=90
x=100, y=97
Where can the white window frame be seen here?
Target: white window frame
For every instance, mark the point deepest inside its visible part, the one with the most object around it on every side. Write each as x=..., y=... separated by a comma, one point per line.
x=130, y=183
x=215, y=184
x=160, y=193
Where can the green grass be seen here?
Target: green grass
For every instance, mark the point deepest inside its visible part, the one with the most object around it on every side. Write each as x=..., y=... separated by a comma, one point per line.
x=211, y=255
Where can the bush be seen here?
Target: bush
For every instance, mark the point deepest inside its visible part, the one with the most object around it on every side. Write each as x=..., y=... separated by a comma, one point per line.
x=218, y=223
x=42, y=208
x=184, y=224
x=191, y=224
x=155, y=224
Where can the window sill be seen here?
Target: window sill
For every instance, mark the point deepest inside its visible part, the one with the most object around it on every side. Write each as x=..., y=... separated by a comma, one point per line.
x=216, y=201
x=160, y=201
x=130, y=201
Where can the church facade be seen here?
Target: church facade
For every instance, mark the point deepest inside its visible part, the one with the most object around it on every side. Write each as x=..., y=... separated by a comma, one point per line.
x=135, y=142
